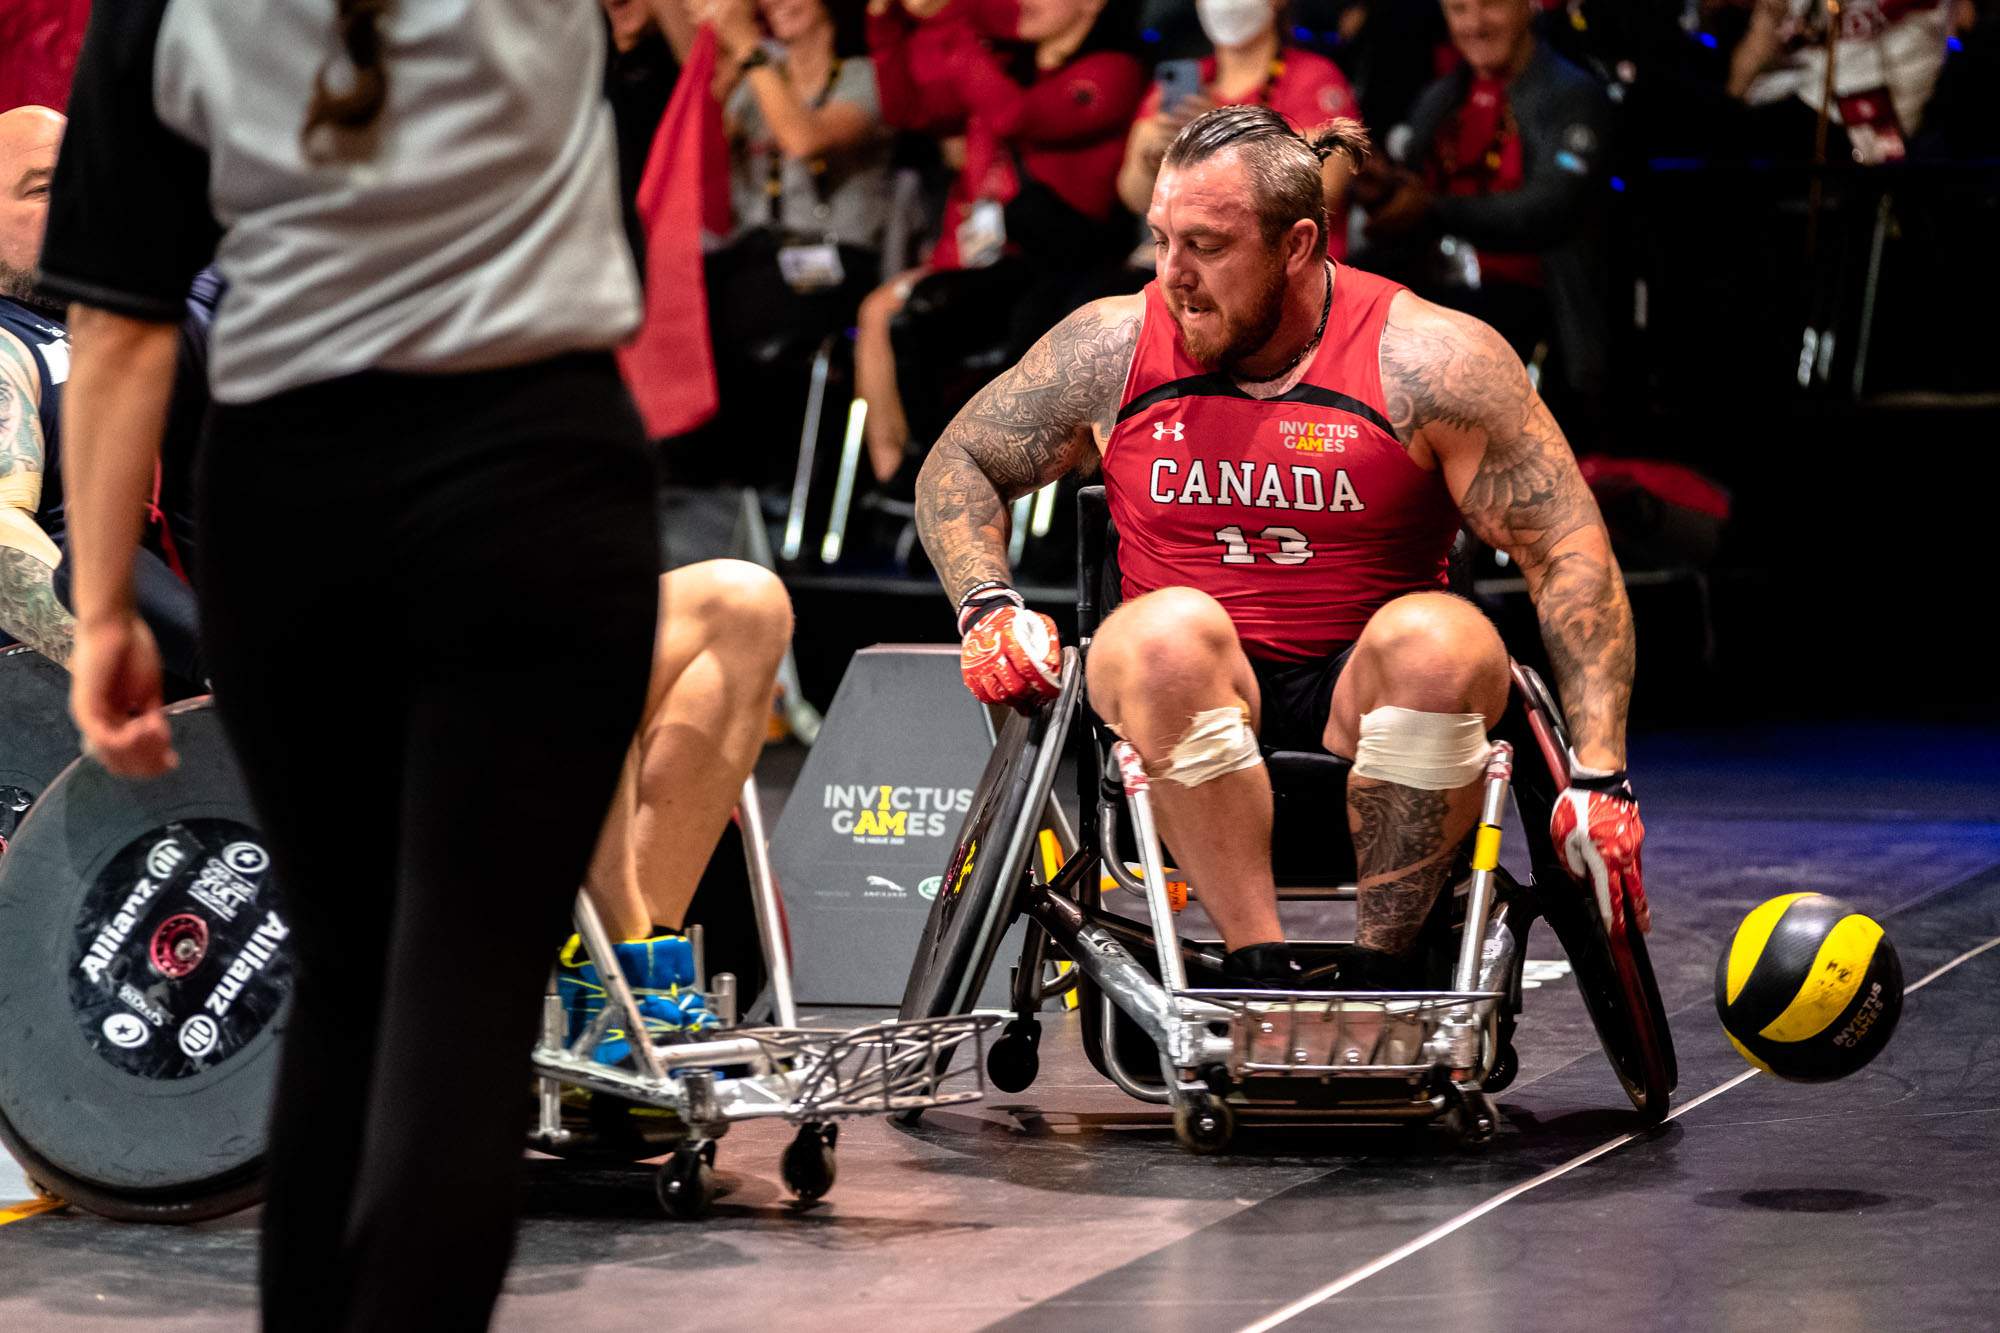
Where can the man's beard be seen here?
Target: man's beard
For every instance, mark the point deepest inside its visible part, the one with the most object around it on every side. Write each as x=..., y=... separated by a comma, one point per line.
x=1241, y=335
x=18, y=284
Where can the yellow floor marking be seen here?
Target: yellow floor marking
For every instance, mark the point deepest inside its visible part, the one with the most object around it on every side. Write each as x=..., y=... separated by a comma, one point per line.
x=28, y=1209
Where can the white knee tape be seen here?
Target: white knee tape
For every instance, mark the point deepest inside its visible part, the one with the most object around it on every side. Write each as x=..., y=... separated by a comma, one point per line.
x=1217, y=741
x=1431, y=751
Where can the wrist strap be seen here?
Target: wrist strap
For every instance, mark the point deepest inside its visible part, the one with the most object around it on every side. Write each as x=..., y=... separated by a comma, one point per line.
x=1614, y=783
x=982, y=599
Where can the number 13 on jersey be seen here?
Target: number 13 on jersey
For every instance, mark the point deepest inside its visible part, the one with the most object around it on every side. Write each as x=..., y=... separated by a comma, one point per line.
x=1293, y=548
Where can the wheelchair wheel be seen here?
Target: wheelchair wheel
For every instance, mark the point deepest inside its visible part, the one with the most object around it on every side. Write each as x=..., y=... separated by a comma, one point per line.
x=1615, y=975
x=148, y=981
x=980, y=893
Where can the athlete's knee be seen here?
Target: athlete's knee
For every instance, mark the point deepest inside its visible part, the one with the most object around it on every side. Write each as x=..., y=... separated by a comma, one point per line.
x=1171, y=641
x=738, y=604
x=1436, y=651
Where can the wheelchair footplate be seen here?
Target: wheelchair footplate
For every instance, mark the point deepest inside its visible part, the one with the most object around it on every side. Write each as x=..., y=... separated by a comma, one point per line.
x=1370, y=1056
x=692, y=1086
x=1380, y=1056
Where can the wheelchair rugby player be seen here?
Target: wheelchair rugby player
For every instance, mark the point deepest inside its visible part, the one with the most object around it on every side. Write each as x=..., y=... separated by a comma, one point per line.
x=1289, y=449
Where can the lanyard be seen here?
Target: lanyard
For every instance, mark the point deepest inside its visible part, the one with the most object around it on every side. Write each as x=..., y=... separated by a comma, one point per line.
x=774, y=176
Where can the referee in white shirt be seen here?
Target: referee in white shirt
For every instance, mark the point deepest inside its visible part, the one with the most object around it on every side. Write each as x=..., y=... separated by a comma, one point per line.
x=419, y=442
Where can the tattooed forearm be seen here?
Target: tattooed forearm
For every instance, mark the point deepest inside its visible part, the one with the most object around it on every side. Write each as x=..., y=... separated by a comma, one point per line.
x=28, y=607
x=1587, y=628
x=1456, y=390
x=1403, y=856
x=1028, y=427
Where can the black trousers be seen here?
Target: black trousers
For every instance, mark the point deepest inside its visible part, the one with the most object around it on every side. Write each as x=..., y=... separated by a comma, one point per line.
x=431, y=785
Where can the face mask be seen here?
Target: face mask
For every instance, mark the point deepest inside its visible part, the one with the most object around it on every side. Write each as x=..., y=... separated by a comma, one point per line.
x=1233, y=22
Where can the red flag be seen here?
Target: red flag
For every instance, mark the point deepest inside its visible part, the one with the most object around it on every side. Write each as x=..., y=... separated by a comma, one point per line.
x=669, y=365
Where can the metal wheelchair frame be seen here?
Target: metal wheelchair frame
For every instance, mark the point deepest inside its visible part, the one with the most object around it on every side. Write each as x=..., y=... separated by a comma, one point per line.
x=744, y=1071
x=1430, y=1055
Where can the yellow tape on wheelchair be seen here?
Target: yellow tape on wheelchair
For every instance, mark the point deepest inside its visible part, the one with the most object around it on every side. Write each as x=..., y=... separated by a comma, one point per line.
x=1486, y=848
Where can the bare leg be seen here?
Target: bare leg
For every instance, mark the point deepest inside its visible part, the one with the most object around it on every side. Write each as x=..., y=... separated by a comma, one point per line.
x=1155, y=663
x=1434, y=653
x=887, y=431
x=724, y=626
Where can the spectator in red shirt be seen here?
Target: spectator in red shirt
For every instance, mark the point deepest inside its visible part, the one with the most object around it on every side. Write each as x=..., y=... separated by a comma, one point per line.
x=1251, y=64
x=1043, y=136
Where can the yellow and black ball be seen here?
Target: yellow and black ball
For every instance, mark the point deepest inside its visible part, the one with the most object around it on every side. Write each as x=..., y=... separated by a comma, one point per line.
x=1809, y=989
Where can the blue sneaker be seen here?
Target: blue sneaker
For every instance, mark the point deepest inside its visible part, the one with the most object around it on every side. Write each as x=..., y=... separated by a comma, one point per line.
x=661, y=973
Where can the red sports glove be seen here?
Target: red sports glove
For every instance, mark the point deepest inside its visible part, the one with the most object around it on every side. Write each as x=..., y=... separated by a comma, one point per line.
x=1011, y=656
x=1599, y=836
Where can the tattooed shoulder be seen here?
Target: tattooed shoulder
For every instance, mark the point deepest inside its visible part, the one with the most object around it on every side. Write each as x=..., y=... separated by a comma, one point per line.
x=1039, y=419
x=20, y=418
x=1444, y=369
x=1456, y=391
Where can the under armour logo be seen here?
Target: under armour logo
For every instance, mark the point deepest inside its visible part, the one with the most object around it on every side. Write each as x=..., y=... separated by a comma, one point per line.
x=1161, y=430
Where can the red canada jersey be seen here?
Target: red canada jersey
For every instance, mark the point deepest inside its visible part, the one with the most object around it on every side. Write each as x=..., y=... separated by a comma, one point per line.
x=1301, y=514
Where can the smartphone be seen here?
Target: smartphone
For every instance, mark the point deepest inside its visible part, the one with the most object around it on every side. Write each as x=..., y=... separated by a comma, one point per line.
x=1178, y=79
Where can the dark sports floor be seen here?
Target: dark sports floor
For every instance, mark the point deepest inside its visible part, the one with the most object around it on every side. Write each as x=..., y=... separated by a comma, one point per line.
x=1861, y=1205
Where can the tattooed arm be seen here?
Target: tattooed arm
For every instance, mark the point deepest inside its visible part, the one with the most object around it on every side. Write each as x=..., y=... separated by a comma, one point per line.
x=1033, y=424
x=1459, y=399
x=28, y=607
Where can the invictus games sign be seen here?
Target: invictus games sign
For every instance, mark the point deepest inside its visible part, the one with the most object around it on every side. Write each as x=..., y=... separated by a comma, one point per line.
x=864, y=839
x=885, y=815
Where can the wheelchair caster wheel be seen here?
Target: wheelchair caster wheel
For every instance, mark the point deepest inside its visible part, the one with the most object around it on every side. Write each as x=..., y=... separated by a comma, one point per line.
x=1472, y=1120
x=1204, y=1125
x=1505, y=1065
x=1013, y=1061
x=808, y=1166
x=686, y=1183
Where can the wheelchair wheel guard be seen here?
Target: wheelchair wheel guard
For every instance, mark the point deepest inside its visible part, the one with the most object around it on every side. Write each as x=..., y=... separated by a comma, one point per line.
x=980, y=892
x=37, y=739
x=147, y=980
x=1613, y=971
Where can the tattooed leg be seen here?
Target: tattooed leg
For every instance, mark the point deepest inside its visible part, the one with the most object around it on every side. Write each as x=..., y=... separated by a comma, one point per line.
x=1434, y=653
x=1405, y=841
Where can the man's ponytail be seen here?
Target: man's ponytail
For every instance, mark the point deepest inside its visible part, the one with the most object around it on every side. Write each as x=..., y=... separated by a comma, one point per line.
x=1341, y=135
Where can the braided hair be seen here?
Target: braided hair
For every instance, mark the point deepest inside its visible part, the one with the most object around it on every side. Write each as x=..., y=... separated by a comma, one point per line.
x=1283, y=164
x=357, y=22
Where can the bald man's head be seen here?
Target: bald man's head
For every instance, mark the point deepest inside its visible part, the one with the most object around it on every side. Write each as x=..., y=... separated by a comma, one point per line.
x=29, y=138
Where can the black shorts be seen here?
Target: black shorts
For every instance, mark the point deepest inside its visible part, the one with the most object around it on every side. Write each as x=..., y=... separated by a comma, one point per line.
x=1297, y=699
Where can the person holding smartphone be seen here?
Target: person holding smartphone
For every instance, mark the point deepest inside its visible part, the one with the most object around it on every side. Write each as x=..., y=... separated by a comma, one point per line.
x=1251, y=63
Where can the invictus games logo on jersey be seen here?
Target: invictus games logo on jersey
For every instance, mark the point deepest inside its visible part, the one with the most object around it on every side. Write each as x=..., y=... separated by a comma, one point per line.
x=1317, y=437
x=891, y=816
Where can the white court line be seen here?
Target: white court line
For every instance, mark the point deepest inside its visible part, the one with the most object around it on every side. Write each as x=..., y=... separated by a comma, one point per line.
x=1443, y=1229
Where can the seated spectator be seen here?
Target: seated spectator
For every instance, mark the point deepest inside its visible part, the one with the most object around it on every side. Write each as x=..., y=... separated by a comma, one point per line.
x=1251, y=64
x=34, y=368
x=1031, y=211
x=1490, y=209
x=809, y=187
x=1886, y=64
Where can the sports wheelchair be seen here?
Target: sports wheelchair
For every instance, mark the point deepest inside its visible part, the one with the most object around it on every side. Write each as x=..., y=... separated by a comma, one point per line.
x=148, y=985
x=1165, y=1026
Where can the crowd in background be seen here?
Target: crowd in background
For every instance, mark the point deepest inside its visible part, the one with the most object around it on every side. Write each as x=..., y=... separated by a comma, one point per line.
x=928, y=185
x=941, y=180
